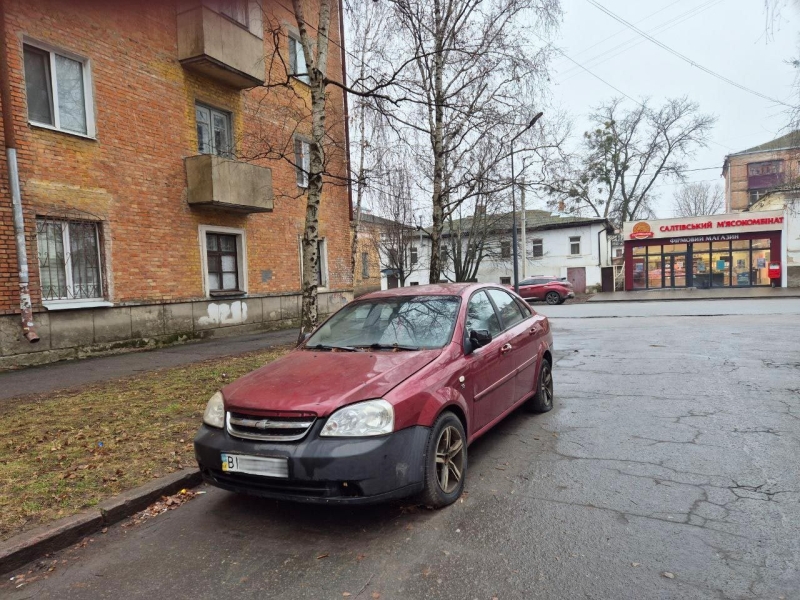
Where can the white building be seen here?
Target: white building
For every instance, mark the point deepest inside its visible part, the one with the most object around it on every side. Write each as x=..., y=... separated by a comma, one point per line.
x=576, y=248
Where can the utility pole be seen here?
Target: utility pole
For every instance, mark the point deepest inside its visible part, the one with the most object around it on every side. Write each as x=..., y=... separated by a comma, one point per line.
x=524, y=225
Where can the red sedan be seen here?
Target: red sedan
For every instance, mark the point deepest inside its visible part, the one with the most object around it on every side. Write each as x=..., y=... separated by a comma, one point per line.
x=382, y=400
x=550, y=289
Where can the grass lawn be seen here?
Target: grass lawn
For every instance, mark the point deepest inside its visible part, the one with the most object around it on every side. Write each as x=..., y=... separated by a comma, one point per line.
x=67, y=451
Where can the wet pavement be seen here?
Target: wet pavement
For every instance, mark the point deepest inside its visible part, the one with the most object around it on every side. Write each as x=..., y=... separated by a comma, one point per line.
x=668, y=469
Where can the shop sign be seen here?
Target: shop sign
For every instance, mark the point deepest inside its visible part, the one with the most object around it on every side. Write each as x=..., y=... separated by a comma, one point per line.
x=705, y=238
x=705, y=225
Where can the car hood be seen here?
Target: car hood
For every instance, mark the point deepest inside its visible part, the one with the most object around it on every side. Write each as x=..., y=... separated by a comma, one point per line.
x=320, y=382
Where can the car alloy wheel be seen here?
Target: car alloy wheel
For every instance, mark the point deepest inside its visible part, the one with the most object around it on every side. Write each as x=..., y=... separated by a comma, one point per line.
x=445, y=462
x=552, y=298
x=546, y=386
x=449, y=459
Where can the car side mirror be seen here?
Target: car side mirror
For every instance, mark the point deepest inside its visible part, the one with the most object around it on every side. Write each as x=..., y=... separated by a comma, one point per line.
x=479, y=338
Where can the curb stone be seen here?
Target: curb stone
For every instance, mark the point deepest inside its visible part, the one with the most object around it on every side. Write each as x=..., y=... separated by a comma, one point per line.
x=30, y=545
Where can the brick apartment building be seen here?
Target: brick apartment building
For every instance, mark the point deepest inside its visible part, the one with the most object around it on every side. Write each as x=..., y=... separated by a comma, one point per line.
x=160, y=199
x=756, y=172
x=767, y=178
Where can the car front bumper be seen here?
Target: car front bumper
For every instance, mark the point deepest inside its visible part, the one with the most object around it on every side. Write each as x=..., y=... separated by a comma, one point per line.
x=570, y=295
x=322, y=470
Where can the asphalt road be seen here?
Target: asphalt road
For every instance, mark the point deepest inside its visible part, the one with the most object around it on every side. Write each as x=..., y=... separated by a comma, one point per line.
x=672, y=450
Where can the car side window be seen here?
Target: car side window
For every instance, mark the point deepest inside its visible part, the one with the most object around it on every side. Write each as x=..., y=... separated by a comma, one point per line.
x=509, y=311
x=481, y=315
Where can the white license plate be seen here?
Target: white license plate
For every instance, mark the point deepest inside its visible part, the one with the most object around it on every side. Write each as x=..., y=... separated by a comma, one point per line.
x=255, y=465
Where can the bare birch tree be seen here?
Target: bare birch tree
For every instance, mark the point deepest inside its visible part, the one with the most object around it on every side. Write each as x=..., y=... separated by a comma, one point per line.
x=476, y=71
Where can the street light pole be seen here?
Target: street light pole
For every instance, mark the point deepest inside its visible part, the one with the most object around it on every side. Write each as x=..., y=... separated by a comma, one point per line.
x=514, y=219
x=514, y=203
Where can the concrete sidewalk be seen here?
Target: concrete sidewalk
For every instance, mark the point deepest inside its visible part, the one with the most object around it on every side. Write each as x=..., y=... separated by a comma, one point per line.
x=77, y=373
x=696, y=294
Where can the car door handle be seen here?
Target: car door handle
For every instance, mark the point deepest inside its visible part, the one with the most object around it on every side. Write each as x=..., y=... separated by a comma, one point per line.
x=505, y=348
x=535, y=329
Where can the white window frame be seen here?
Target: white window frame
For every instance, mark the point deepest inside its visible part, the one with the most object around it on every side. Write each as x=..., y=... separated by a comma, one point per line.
x=295, y=45
x=537, y=242
x=571, y=241
x=302, y=170
x=241, y=257
x=322, y=258
x=88, y=92
x=70, y=303
x=228, y=115
x=413, y=255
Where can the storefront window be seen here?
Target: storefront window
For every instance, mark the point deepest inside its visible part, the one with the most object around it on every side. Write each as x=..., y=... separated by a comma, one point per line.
x=639, y=279
x=653, y=269
x=720, y=268
x=640, y=251
x=760, y=262
x=675, y=248
x=701, y=268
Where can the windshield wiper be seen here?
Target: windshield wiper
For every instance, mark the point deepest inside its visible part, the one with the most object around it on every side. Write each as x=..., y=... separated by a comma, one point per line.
x=329, y=347
x=377, y=346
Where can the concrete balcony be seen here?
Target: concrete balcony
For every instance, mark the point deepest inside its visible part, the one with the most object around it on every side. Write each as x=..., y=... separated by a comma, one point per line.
x=215, y=46
x=214, y=181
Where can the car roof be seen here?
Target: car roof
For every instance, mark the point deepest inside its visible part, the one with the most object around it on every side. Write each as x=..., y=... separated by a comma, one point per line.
x=435, y=289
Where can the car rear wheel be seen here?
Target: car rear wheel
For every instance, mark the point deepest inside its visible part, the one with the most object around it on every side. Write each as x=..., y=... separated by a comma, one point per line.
x=553, y=298
x=445, y=462
x=543, y=400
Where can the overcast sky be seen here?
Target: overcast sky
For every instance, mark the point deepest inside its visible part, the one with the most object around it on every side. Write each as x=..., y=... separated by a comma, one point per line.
x=726, y=36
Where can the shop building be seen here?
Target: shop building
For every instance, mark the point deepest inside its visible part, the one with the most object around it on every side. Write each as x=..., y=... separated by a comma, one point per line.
x=712, y=251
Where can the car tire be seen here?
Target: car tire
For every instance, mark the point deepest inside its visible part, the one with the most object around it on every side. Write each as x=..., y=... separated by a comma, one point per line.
x=542, y=402
x=553, y=298
x=441, y=464
x=562, y=300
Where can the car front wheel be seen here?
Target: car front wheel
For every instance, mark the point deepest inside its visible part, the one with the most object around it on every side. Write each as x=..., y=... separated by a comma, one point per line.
x=553, y=298
x=445, y=462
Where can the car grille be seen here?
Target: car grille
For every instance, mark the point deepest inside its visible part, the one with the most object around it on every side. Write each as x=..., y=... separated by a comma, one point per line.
x=271, y=429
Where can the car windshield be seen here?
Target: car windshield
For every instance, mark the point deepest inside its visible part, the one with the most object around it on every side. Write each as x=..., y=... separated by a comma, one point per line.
x=403, y=323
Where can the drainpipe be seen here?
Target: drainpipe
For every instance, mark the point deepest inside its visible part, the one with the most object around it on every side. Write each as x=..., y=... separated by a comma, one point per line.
x=346, y=108
x=28, y=328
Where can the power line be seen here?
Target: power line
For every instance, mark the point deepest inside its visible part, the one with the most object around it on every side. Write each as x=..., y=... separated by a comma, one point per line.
x=627, y=45
x=682, y=56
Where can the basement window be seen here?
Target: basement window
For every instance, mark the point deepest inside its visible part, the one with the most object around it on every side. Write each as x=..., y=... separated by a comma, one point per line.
x=58, y=89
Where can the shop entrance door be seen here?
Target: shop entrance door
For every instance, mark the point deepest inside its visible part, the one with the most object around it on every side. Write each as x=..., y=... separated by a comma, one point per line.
x=675, y=270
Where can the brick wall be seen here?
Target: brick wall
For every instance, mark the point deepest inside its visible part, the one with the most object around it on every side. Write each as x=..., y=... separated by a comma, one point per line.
x=132, y=176
x=736, y=182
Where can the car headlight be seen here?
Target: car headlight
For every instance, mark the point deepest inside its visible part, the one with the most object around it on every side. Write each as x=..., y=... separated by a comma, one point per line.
x=373, y=417
x=215, y=411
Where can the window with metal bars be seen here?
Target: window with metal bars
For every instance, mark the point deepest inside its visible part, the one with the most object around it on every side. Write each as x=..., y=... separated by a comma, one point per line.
x=223, y=262
x=69, y=259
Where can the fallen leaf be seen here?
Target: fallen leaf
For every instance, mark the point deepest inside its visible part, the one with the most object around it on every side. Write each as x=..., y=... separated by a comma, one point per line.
x=635, y=564
x=376, y=595
x=668, y=575
x=346, y=594
x=326, y=555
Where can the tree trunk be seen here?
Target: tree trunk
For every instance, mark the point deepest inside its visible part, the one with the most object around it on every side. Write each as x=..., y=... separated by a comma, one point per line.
x=316, y=62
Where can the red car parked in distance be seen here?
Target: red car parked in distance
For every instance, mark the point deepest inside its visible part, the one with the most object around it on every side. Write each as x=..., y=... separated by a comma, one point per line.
x=550, y=289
